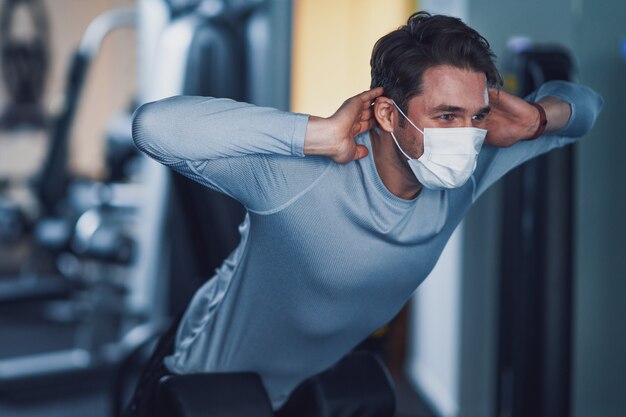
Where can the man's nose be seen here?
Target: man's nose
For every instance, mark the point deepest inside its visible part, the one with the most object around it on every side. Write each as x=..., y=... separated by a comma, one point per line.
x=467, y=122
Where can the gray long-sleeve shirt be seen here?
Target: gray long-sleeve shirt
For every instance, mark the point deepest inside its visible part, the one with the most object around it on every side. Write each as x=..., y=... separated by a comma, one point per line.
x=327, y=253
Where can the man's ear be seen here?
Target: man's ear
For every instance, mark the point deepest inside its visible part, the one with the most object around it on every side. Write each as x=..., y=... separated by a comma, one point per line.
x=384, y=113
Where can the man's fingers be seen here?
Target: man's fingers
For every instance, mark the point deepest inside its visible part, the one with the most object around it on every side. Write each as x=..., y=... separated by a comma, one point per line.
x=369, y=124
x=494, y=95
x=363, y=126
x=367, y=114
x=369, y=95
x=363, y=100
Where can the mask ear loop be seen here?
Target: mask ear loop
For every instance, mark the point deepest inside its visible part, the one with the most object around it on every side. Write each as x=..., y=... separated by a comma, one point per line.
x=412, y=124
x=398, y=145
x=408, y=120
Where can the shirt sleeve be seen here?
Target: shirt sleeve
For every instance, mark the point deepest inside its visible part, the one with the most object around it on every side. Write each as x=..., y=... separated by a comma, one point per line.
x=253, y=154
x=493, y=162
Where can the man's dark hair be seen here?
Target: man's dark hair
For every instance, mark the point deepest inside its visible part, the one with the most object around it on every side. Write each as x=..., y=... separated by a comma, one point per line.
x=400, y=58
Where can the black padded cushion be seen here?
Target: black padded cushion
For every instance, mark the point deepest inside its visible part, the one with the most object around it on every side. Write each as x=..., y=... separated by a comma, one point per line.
x=214, y=395
x=357, y=386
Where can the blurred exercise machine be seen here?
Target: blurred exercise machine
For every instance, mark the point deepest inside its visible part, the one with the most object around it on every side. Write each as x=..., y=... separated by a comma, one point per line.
x=82, y=246
x=536, y=291
x=62, y=199
x=24, y=60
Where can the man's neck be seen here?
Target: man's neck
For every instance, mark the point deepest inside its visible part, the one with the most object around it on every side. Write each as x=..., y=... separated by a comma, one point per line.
x=393, y=170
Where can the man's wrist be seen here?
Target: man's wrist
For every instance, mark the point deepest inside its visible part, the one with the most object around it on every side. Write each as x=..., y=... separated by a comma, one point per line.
x=541, y=123
x=316, y=140
x=558, y=112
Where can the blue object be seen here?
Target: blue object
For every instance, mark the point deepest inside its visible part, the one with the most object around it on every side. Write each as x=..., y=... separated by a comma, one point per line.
x=327, y=254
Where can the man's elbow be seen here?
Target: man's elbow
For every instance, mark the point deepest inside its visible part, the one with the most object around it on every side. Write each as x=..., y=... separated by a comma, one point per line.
x=152, y=130
x=143, y=120
x=586, y=105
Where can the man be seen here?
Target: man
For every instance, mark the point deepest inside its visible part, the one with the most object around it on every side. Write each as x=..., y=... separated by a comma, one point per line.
x=347, y=215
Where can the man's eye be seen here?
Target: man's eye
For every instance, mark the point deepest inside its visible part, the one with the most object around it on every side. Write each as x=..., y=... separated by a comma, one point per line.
x=446, y=116
x=480, y=116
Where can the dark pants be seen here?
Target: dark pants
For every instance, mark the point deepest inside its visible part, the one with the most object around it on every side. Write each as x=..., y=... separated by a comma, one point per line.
x=144, y=400
x=356, y=386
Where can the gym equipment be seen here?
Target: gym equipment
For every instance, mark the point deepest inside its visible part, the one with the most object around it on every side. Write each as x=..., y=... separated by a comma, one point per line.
x=231, y=394
x=51, y=186
x=537, y=259
x=13, y=222
x=62, y=204
x=358, y=385
x=86, y=237
x=24, y=64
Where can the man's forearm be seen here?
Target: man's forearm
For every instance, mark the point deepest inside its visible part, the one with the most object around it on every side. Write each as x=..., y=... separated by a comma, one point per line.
x=584, y=106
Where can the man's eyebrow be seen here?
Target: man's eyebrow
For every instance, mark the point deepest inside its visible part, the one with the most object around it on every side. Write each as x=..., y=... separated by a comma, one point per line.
x=456, y=109
x=448, y=108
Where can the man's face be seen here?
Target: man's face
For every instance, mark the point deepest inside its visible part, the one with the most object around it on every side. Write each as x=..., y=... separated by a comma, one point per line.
x=451, y=97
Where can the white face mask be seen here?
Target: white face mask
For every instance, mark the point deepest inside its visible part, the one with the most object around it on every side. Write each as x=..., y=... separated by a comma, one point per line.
x=449, y=157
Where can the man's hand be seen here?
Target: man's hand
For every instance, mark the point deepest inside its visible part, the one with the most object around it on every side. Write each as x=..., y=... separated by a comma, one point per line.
x=334, y=136
x=512, y=119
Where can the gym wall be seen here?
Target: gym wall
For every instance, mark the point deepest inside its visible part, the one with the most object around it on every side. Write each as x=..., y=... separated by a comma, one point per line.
x=332, y=44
